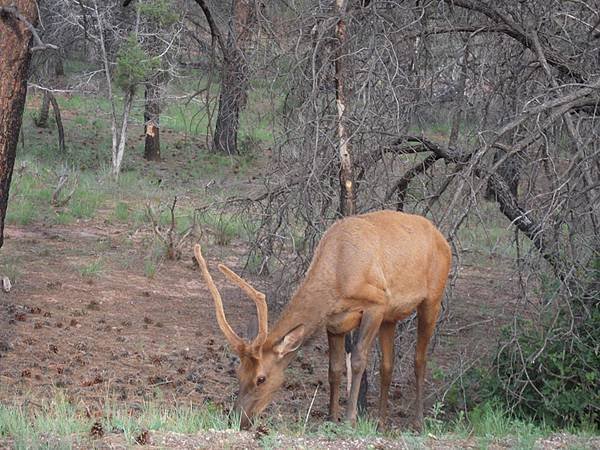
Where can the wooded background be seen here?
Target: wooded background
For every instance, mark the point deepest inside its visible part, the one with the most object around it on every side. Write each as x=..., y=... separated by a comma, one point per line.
x=458, y=110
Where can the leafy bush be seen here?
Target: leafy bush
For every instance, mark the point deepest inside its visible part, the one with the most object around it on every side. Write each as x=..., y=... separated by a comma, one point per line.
x=549, y=370
x=160, y=12
x=133, y=65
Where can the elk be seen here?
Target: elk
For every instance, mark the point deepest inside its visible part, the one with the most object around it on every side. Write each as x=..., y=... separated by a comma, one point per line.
x=368, y=271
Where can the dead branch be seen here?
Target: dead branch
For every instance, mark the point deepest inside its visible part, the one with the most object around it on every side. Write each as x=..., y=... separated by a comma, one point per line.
x=62, y=182
x=171, y=238
x=39, y=45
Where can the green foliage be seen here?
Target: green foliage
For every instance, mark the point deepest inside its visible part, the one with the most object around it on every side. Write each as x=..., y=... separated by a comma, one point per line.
x=225, y=227
x=84, y=203
x=92, y=269
x=56, y=417
x=134, y=66
x=21, y=213
x=162, y=12
x=122, y=212
x=548, y=371
x=365, y=427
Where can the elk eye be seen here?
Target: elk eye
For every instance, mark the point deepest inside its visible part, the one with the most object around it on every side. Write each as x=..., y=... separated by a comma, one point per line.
x=260, y=380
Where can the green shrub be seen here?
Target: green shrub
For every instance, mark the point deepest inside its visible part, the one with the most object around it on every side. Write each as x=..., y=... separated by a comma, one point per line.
x=549, y=370
x=133, y=65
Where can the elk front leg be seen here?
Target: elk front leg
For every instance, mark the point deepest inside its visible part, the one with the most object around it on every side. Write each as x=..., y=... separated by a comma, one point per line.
x=336, y=367
x=386, y=343
x=427, y=315
x=369, y=325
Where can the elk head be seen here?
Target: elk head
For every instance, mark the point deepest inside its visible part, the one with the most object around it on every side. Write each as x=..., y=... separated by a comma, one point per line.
x=262, y=362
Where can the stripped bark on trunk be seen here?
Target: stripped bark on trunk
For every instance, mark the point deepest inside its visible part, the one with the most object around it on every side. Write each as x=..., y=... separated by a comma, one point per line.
x=347, y=207
x=152, y=122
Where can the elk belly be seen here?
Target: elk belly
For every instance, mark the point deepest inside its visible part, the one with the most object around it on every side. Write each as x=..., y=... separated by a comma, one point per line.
x=401, y=310
x=344, y=322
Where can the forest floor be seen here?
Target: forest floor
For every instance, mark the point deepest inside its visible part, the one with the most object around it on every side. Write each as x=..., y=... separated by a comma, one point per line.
x=93, y=321
x=115, y=336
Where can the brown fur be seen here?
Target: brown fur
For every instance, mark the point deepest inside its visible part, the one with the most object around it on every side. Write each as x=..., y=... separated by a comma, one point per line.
x=368, y=271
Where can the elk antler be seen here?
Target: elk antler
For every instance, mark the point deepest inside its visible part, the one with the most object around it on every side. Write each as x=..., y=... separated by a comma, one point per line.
x=236, y=342
x=259, y=298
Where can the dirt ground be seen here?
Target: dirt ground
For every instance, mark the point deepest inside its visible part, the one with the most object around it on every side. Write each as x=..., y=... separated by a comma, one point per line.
x=122, y=336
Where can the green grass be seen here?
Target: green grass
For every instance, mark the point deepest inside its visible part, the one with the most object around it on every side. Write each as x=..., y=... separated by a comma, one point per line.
x=92, y=269
x=23, y=212
x=57, y=418
x=60, y=423
x=487, y=422
x=150, y=267
x=488, y=233
x=84, y=203
x=225, y=227
x=122, y=212
x=10, y=266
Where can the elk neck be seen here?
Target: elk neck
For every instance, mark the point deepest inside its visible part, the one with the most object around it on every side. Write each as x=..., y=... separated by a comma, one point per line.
x=309, y=306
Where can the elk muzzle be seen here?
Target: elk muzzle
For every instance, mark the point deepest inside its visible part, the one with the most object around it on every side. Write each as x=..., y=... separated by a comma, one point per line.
x=246, y=413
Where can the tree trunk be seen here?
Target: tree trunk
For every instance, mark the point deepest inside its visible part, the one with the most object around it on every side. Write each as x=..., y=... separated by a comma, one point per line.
x=234, y=82
x=41, y=121
x=119, y=151
x=509, y=171
x=14, y=67
x=458, y=112
x=151, y=122
x=347, y=207
x=59, y=67
x=58, y=120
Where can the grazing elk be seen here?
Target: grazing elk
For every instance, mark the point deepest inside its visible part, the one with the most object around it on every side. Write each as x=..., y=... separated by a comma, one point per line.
x=368, y=271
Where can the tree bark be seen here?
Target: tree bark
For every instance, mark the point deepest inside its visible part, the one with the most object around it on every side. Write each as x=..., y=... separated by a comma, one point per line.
x=14, y=67
x=152, y=121
x=347, y=206
x=234, y=82
x=59, y=67
x=41, y=121
x=458, y=112
x=58, y=120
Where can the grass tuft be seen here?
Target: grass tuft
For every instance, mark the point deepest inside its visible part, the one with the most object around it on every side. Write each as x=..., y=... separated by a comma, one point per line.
x=92, y=269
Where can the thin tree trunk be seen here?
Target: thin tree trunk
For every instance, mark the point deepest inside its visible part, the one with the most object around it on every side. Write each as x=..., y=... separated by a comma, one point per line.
x=234, y=81
x=14, y=66
x=118, y=156
x=347, y=207
x=58, y=120
x=113, y=110
x=151, y=121
x=457, y=114
x=118, y=138
x=41, y=121
x=346, y=176
x=59, y=67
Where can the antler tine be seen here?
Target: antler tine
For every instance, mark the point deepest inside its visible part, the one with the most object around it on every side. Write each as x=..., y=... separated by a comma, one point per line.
x=258, y=297
x=236, y=342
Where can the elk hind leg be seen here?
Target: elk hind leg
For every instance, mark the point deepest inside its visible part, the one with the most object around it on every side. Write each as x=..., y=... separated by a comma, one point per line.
x=387, y=332
x=427, y=315
x=336, y=368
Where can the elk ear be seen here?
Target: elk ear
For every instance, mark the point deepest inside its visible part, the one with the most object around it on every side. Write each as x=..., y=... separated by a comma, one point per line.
x=290, y=341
